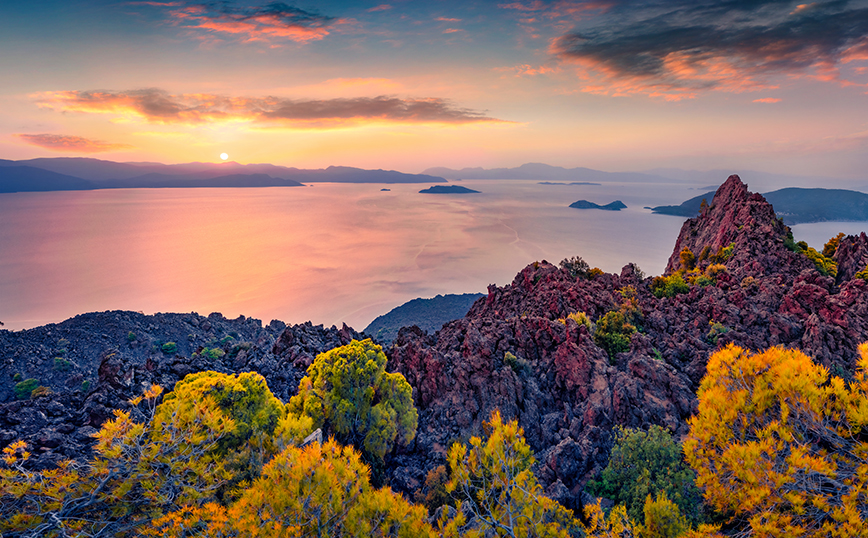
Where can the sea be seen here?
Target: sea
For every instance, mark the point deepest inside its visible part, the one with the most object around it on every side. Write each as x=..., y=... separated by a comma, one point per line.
x=329, y=253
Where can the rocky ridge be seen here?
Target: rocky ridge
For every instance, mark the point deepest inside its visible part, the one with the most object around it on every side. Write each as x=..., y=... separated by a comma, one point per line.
x=566, y=392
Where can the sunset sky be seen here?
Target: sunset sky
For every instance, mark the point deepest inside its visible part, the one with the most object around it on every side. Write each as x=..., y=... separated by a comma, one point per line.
x=616, y=85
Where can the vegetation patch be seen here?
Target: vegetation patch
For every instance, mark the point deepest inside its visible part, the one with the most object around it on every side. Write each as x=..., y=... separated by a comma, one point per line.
x=24, y=388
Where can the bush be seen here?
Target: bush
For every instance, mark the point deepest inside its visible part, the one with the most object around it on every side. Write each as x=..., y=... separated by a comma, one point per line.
x=644, y=463
x=23, y=389
x=826, y=266
x=669, y=286
x=832, y=245
x=580, y=318
x=349, y=394
x=780, y=445
x=613, y=333
x=863, y=274
x=61, y=364
x=16, y=377
x=576, y=267
x=715, y=331
x=212, y=353
x=131, y=336
x=688, y=260
x=40, y=391
x=169, y=347
x=663, y=519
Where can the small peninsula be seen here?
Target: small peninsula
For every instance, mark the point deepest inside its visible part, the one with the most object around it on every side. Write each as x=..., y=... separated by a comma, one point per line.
x=617, y=205
x=448, y=189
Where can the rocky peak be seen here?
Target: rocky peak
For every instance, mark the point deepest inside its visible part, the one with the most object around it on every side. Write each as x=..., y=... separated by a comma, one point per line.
x=745, y=220
x=851, y=256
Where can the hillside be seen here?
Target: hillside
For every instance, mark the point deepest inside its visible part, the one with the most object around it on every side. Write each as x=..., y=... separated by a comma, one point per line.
x=517, y=349
x=794, y=205
x=67, y=173
x=427, y=314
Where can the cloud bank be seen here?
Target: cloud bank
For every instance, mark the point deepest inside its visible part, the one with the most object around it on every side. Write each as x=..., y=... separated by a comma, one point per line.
x=676, y=49
x=70, y=143
x=158, y=106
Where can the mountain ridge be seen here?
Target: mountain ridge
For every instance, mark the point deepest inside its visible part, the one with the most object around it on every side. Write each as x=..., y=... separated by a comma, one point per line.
x=84, y=173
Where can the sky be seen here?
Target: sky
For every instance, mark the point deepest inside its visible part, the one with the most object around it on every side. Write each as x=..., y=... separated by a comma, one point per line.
x=776, y=86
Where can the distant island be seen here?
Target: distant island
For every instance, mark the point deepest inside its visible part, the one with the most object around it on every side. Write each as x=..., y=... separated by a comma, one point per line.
x=617, y=205
x=448, y=189
x=571, y=183
x=427, y=314
x=74, y=174
x=794, y=205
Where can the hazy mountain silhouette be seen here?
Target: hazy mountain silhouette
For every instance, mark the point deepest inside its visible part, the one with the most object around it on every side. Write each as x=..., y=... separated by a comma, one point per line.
x=30, y=179
x=545, y=171
x=88, y=173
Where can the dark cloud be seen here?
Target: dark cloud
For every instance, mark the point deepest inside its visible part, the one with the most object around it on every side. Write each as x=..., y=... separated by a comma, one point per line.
x=736, y=45
x=70, y=143
x=158, y=106
x=269, y=22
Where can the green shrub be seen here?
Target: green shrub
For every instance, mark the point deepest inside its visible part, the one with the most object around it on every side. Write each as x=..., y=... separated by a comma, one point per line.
x=212, y=353
x=826, y=266
x=703, y=281
x=688, y=260
x=722, y=254
x=131, y=336
x=61, y=364
x=790, y=242
x=519, y=366
x=863, y=274
x=613, y=333
x=40, y=391
x=663, y=519
x=832, y=245
x=85, y=385
x=580, y=318
x=644, y=463
x=669, y=286
x=23, y=389
x=576, y=267
x=715, y=331
x=16, y=377
x=225, y=340
x=169, y=347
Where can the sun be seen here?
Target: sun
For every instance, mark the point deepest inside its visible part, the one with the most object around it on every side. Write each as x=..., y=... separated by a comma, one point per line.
x=224, y=156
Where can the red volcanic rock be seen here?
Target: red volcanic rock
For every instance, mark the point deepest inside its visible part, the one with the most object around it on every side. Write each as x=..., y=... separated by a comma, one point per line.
x=566, y=392
x=851, y=256
x=736, y=216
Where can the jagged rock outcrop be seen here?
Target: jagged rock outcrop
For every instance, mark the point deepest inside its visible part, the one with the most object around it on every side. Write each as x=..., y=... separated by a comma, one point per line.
x=566, y=392
x=94, y=363
x=851, y=256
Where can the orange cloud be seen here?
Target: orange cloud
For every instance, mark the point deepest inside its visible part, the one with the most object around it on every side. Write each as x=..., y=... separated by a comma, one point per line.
x=452, y=30
x=447, y=19
x=381, y=7
x=158, y=106
x=767, y=100
x=527, y=70
x=70, y=143
x=275, y=21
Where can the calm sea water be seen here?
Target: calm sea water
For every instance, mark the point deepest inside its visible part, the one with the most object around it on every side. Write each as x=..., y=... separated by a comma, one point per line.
x=330, y=253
